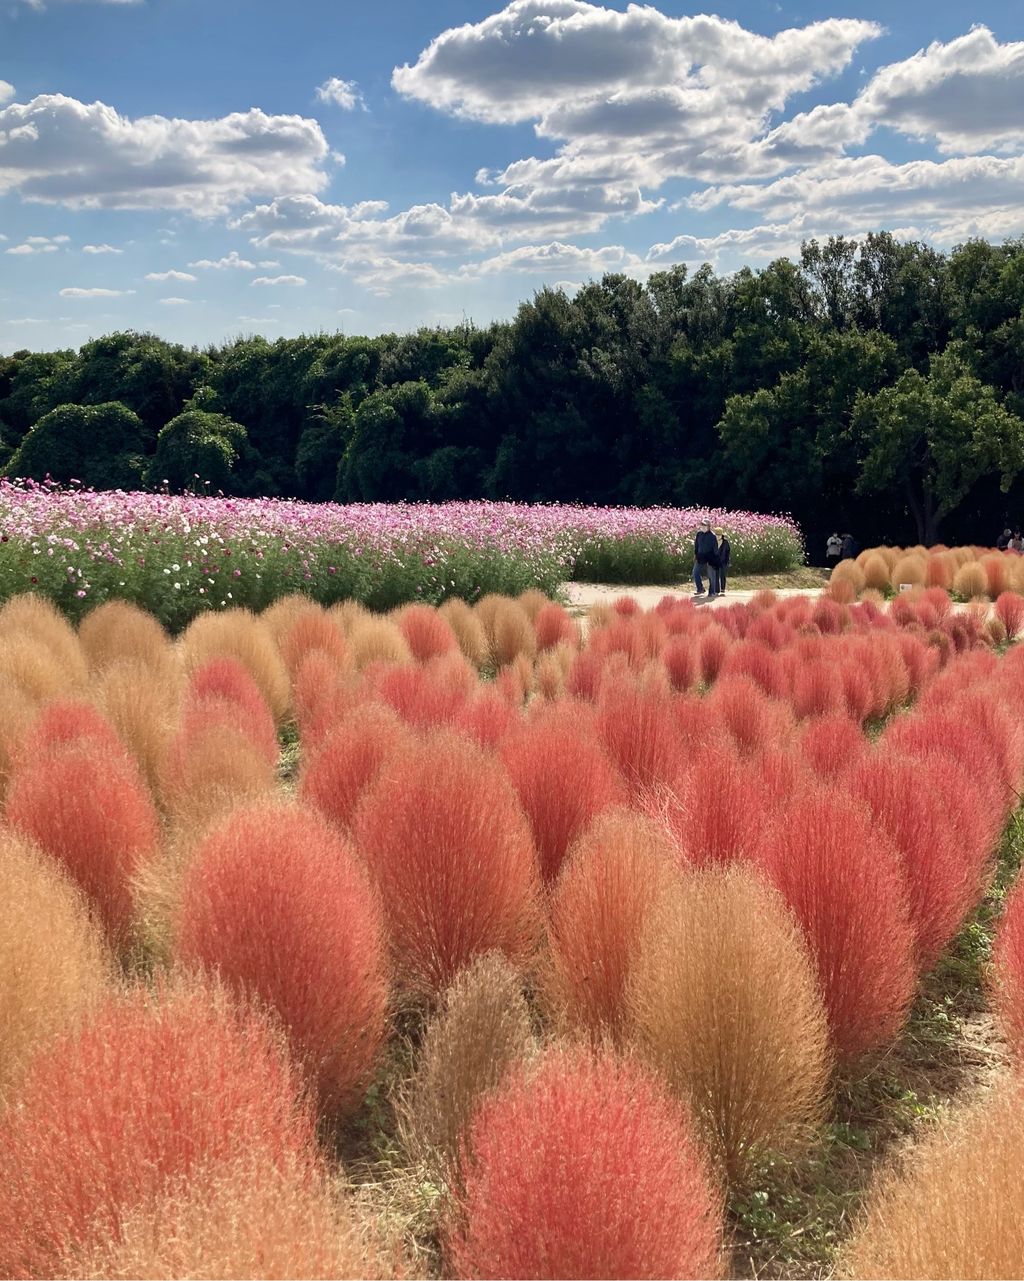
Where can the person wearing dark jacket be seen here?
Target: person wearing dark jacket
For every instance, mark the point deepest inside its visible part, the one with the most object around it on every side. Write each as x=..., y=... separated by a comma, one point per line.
x=1003, y=541
x=705, y=561
x=849, y=547
x=724, y=554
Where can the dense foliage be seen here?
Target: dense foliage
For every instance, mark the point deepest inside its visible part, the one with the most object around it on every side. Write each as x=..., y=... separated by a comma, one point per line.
x=813, y=387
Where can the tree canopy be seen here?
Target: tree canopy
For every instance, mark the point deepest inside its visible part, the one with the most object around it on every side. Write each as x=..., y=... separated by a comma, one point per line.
x=876, y=384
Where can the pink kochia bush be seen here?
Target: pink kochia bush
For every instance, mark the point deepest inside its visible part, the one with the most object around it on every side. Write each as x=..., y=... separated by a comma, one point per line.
x=540, y=759
x=583, y=1166
x=841, y=878
x=87, y=806
x=276, y=903
x=452, y=855
x=151, y=1089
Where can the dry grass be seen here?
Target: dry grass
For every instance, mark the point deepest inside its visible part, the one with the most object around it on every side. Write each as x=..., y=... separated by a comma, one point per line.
x=239, y=634
x=33, y=669
x=953, y=1208
x=508, y=628
x=481, y=1029
x=211, y=769
x=725, y=1003
x=246, y=1219
x=54, y=964
x=17, y=712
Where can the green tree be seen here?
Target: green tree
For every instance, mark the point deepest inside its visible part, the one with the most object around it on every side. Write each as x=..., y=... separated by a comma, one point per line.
x=929, y=439
x=100, y=445
x=197, y=451
x=322, y=446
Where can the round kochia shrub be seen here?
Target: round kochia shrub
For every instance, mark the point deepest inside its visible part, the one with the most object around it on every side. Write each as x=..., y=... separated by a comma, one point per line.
x=276, y=904
x=598, y=909
x=725, y=1003
x=92, y=812
x=953, y=1209
x=54, y=966
x=451, y=852
x=582, y=1166
x=151, y=1089
x=563, y=779
x=842, y=880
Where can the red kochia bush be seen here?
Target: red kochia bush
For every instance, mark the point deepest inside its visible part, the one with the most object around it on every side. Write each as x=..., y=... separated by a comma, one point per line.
x=349, y=759
x=1008, y=958
x=637, y=728
x=70, y=724
x=1010, y=611
x=941, y=882
x=583, y=1167
x=426, y=632
x=222, y=690
x=148, y=1091
x=451, y=851
x=553, y=625
x=842, y=880
x=831, y=744
x=276, y=903
x=563, y=781
x=754, y=722
x=715, y=810
x=93, y=813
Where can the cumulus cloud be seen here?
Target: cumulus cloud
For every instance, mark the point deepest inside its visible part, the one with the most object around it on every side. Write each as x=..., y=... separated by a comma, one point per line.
x=171, y=275
x=231, y=260
x=95, y=293
x=342, y=93
x=58, y=150
x=175, y=302
x=6, y=91
x=101, y=249
x=554, y=258
x=39, y=245
x=968, y=94
x=279, y=280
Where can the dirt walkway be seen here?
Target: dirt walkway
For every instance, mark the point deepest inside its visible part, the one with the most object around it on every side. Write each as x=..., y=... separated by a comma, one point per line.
x=583, y=595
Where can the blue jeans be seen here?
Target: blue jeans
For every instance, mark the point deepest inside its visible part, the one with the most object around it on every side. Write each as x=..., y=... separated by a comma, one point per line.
x=701, y=568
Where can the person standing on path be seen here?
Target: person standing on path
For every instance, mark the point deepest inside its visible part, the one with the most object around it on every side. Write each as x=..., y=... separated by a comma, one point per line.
x=1003, y=541
x=833, y=550
x=724, y=556
x=705, y=558
x=849, y=547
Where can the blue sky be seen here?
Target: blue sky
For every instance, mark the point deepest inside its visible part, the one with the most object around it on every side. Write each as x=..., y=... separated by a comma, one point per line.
x=204, y=168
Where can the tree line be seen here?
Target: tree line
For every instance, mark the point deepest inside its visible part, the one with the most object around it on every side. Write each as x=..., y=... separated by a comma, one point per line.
x=876, y=385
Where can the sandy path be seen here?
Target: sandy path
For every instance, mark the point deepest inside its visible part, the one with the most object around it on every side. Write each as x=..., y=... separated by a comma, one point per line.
x=583, y=595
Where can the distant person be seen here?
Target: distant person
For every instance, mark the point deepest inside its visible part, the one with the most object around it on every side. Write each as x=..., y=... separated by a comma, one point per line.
x=849, y=547
x=724, y=556
x=833, y=549
x=1003, y=541
x=705, y=558
x=1017, y=542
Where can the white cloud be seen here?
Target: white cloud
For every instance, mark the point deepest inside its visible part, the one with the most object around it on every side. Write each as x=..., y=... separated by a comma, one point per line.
x=219, y=264
x=633, y=99
x=58, y=150
x=279, y=280
x=39, y=245
x=95, y=293
x=101, y=249
x=258, y=320
x=544, y=260
x=968, y=94
x=6, y=91
x=176, y=302
x=26, y=320
x=342, y=93
x=535, y=57
x=171, y=275
x=874, y=188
